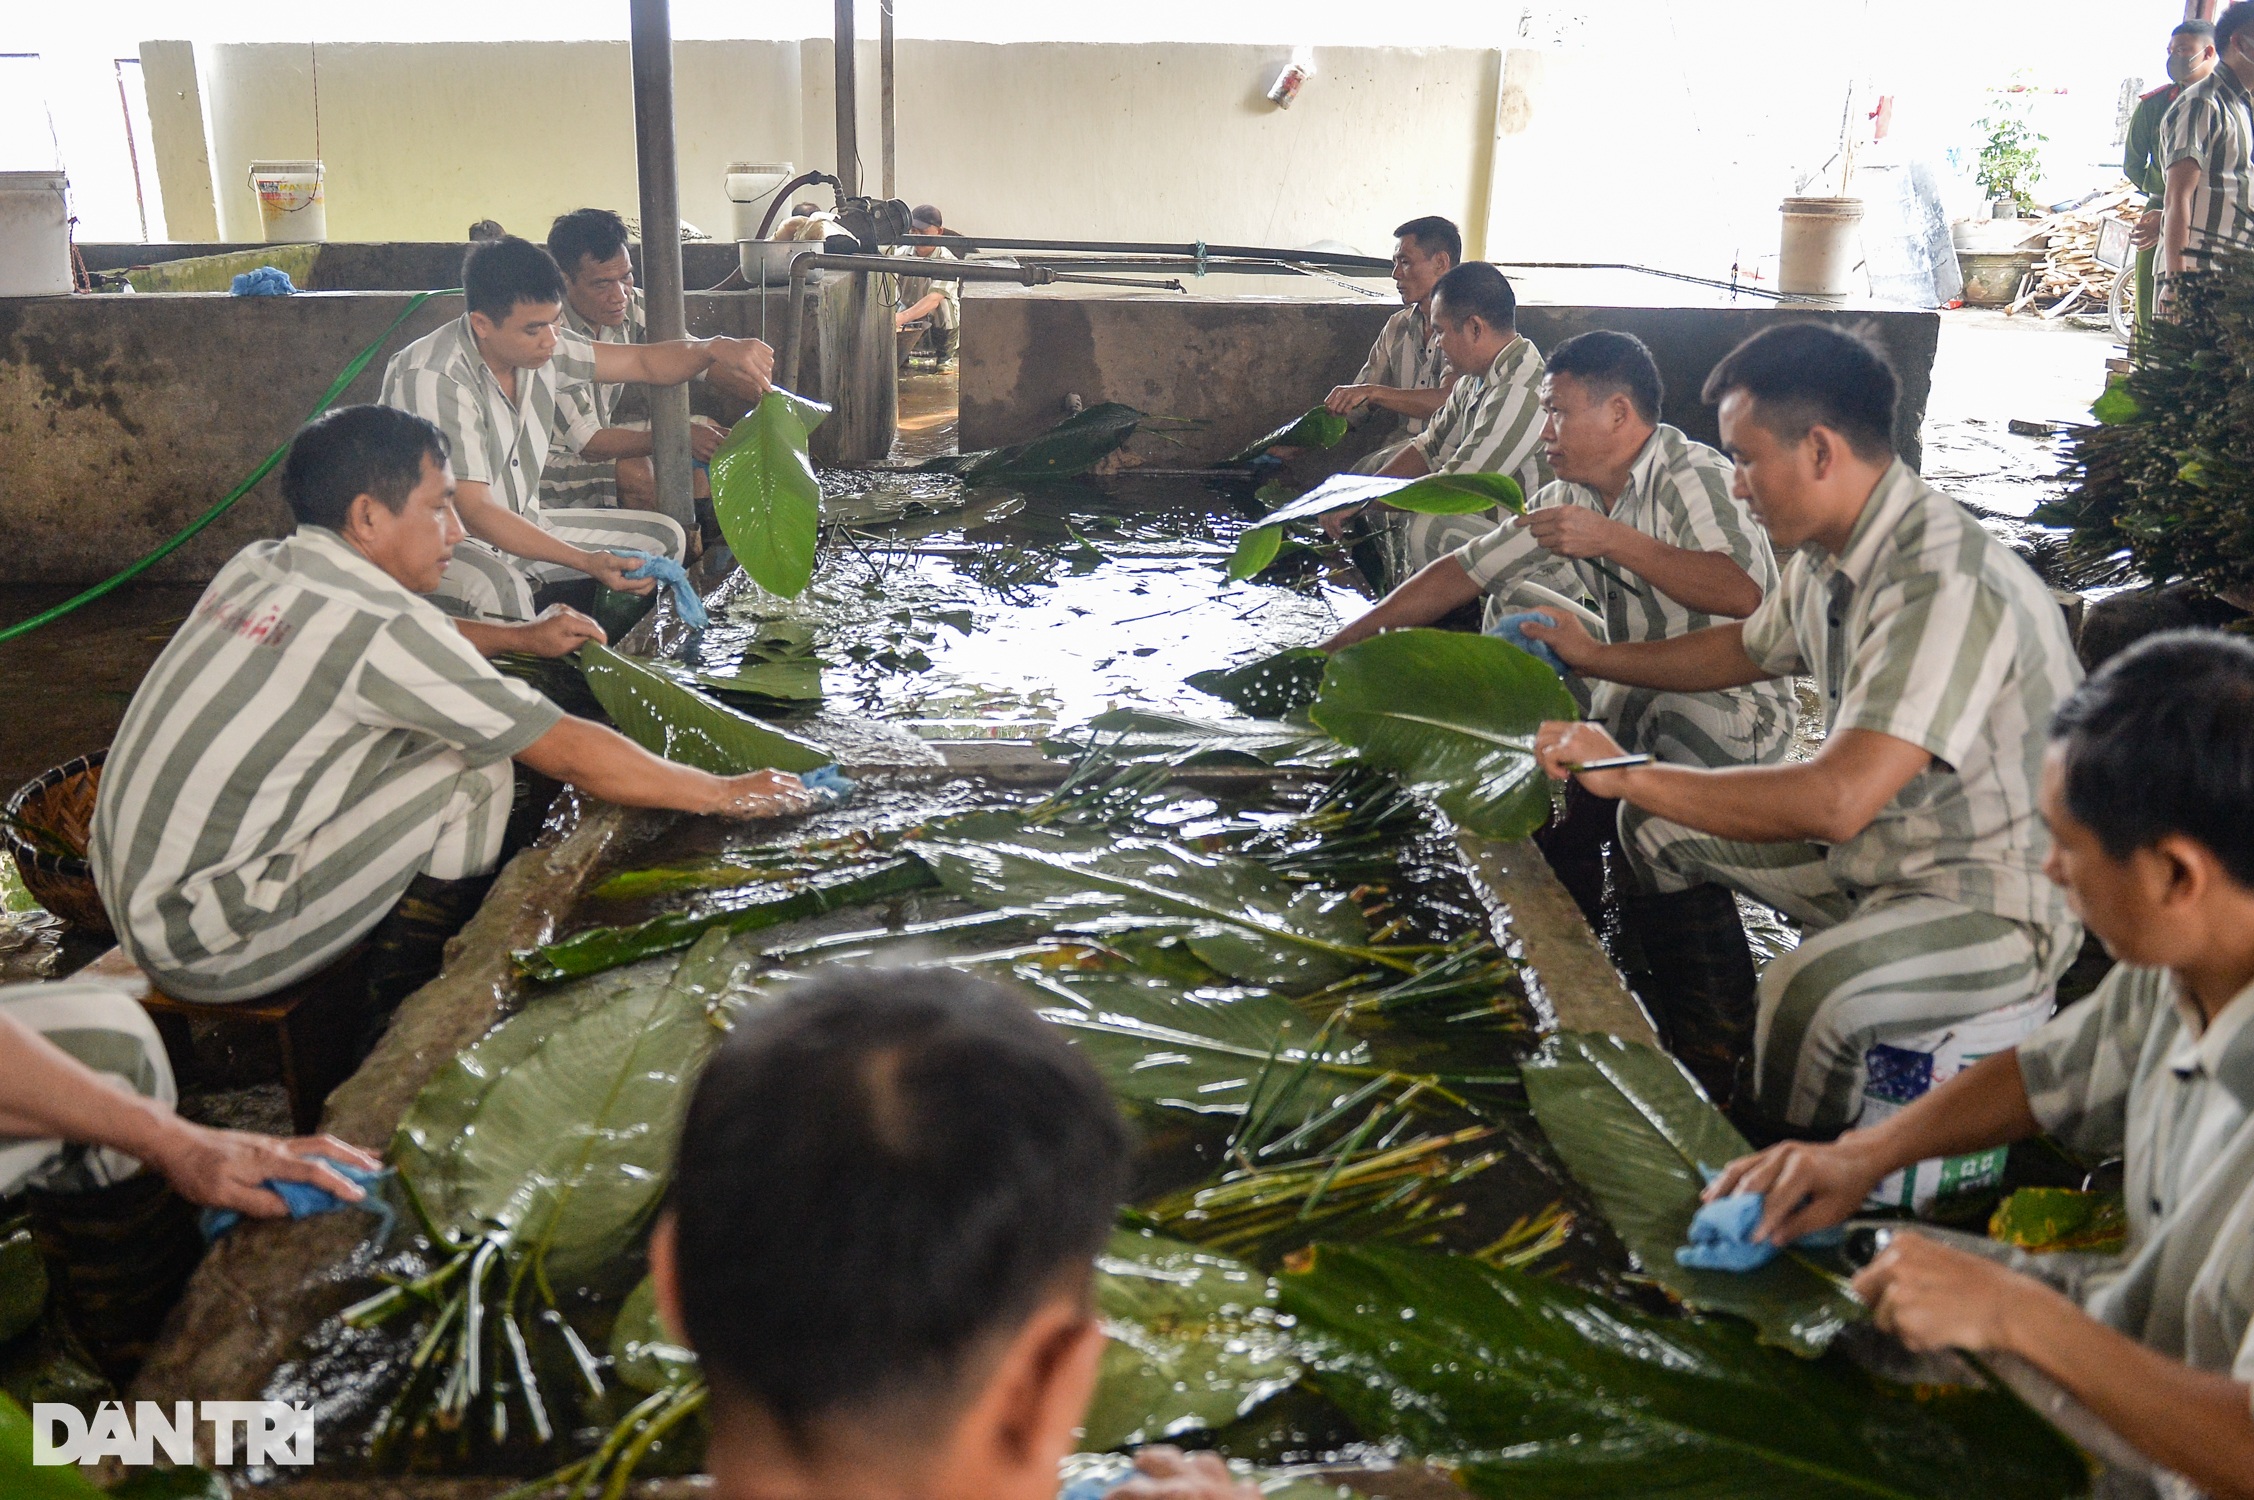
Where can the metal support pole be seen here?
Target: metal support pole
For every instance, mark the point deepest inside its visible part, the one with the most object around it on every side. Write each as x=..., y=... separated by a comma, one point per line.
x=848, y=103
x=891, y=120
x=652, y=34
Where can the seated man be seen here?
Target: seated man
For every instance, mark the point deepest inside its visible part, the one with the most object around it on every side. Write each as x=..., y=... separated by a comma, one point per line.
x=1644, y=522
x=602, y=305
x=2148, y=788
x=319, y=745
x=1908, y=849
x=1407, y=373
x=1490, y=422
x=881, y=1235
x=496, y=382
x=935, y=302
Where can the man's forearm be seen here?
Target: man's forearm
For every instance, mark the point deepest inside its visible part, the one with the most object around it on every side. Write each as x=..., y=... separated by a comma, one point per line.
x=1415, y=403
x=1703, y=661
x=1711, y=583
x=1437, y=589
x=50, y=1094
x=669, y=362
x=618, y=442
x=606, y=764
x=490, y=521
x=1983, y=1107
x=1409, y=463
x=2175, y=223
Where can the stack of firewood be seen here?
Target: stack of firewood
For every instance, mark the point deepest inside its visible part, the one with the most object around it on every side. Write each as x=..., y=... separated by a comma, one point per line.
x=2070, y=277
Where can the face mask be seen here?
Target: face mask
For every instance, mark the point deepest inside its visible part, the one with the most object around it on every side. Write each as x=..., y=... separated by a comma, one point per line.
x=2179, y=68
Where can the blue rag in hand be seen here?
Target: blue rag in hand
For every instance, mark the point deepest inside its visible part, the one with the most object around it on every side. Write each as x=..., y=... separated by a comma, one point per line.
x=304, y=1199
x=1721, y=1236
x=266, y=281
x=670, y=573
x=832, y=783
x=1508, y=628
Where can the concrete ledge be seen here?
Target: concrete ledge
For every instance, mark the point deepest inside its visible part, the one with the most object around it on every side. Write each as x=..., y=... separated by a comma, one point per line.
x=1569, y=976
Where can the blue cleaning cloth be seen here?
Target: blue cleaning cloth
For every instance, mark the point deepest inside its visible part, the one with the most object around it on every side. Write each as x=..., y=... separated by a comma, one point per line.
x=266, y=281
x=666, y=571
x=1721, y=1236
x=833, y=784
x=304, y=1199
x=1508, y=628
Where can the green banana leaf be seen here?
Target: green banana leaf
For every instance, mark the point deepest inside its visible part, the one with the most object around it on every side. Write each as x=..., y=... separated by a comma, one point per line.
x=1204, y=1051
x=1453, y=715
x=777, y=681
x=1270, y=687
x=1255, y=550
x=765, y=495
x=1317, y=427
x=20, y=1478
x=601, y=948
x=1236, y=916
x=2044, y=1219
x=1074, y=446
x=1534, y=1390
x=555, y=1131
x=679, y=723
x=1196, y=1341
x=1635, y=1131
x=1432, y=495
x=1134, y=734
x=642, y=1353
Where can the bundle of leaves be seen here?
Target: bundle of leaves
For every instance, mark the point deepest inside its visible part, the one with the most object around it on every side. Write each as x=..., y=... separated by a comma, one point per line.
x=2163, y=485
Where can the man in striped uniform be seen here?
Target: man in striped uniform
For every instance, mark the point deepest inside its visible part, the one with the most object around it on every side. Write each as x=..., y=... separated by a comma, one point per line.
x=1908, y=849
x=602, y=304
x=319, y=745
x=1489, y=423
x=1407, y=372
x=2207, y=152
x=501, y=383
x=1642, y=521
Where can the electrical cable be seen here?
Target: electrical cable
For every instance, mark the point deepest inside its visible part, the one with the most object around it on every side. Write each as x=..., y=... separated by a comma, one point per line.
x=177, y=539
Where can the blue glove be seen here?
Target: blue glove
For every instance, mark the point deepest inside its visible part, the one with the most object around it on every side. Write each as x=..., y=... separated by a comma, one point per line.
x=266, y=281
x=830, y=782
x=304, y=1199
x=666, y=571
x=1721, y=1236
x=1507, y=628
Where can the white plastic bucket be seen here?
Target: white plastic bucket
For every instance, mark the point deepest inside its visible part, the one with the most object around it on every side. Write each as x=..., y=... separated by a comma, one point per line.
x=1822, y=250
x=751, y=188
x=34, y=234
x=1907, y=1069
x=291, y=210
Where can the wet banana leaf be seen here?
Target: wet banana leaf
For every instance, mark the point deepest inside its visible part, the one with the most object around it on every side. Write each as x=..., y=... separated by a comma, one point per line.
x=1318, y=427
x=1530, y=1388
x=1133, y=734
x=2045, y=1219
x=1074, y=446
x=777, y=681
x=1196, y=1341
x=765, y=495
x=642, y=1353
x=680, y=723
x=1432, y=495
x=1255, y=550
x=1453, y=715
x=601, y=948
x=1270, y=687
x=20, y=1478
x=1211, y=1051
x=555, y=1132
x=1236, y=916
x=1635, y=1131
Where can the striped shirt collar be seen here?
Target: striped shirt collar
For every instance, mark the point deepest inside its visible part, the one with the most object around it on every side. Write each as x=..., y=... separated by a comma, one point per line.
x=1513, y=355
x=1659, y=450
x=2222, y=1049
x=339, y=570
x=1890, y=499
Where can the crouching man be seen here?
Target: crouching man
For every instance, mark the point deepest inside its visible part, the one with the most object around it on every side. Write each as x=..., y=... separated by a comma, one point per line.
x=1908, y=849
x=320, y=751
x=2148, y=788
x=881, y=1236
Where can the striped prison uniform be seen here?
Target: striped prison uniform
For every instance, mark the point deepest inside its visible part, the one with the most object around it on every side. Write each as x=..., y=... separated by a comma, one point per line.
x=312, y=739
x=1928, y=629
x=1491, y=423
x=2212, y=124
x=108, y=1031
x=1678, y=491
x=1406, y=357
x=504, y=445
x=567, y=481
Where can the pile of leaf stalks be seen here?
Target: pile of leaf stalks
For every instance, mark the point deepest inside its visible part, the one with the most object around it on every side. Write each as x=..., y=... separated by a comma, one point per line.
x=2163, y=484
x=1349, y=1228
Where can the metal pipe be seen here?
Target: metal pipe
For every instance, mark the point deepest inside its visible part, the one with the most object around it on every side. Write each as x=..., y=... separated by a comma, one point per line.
x=1618, y=265
x=652, y=39
x=1368, y=264
x=884, y=73
x=888, y=265
x=848, y=119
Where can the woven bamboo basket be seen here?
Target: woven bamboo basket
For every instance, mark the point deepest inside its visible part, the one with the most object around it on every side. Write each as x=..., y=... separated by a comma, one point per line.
x=61, y=803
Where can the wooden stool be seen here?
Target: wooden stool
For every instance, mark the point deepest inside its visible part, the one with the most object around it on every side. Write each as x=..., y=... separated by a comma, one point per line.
x=316, y=1024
